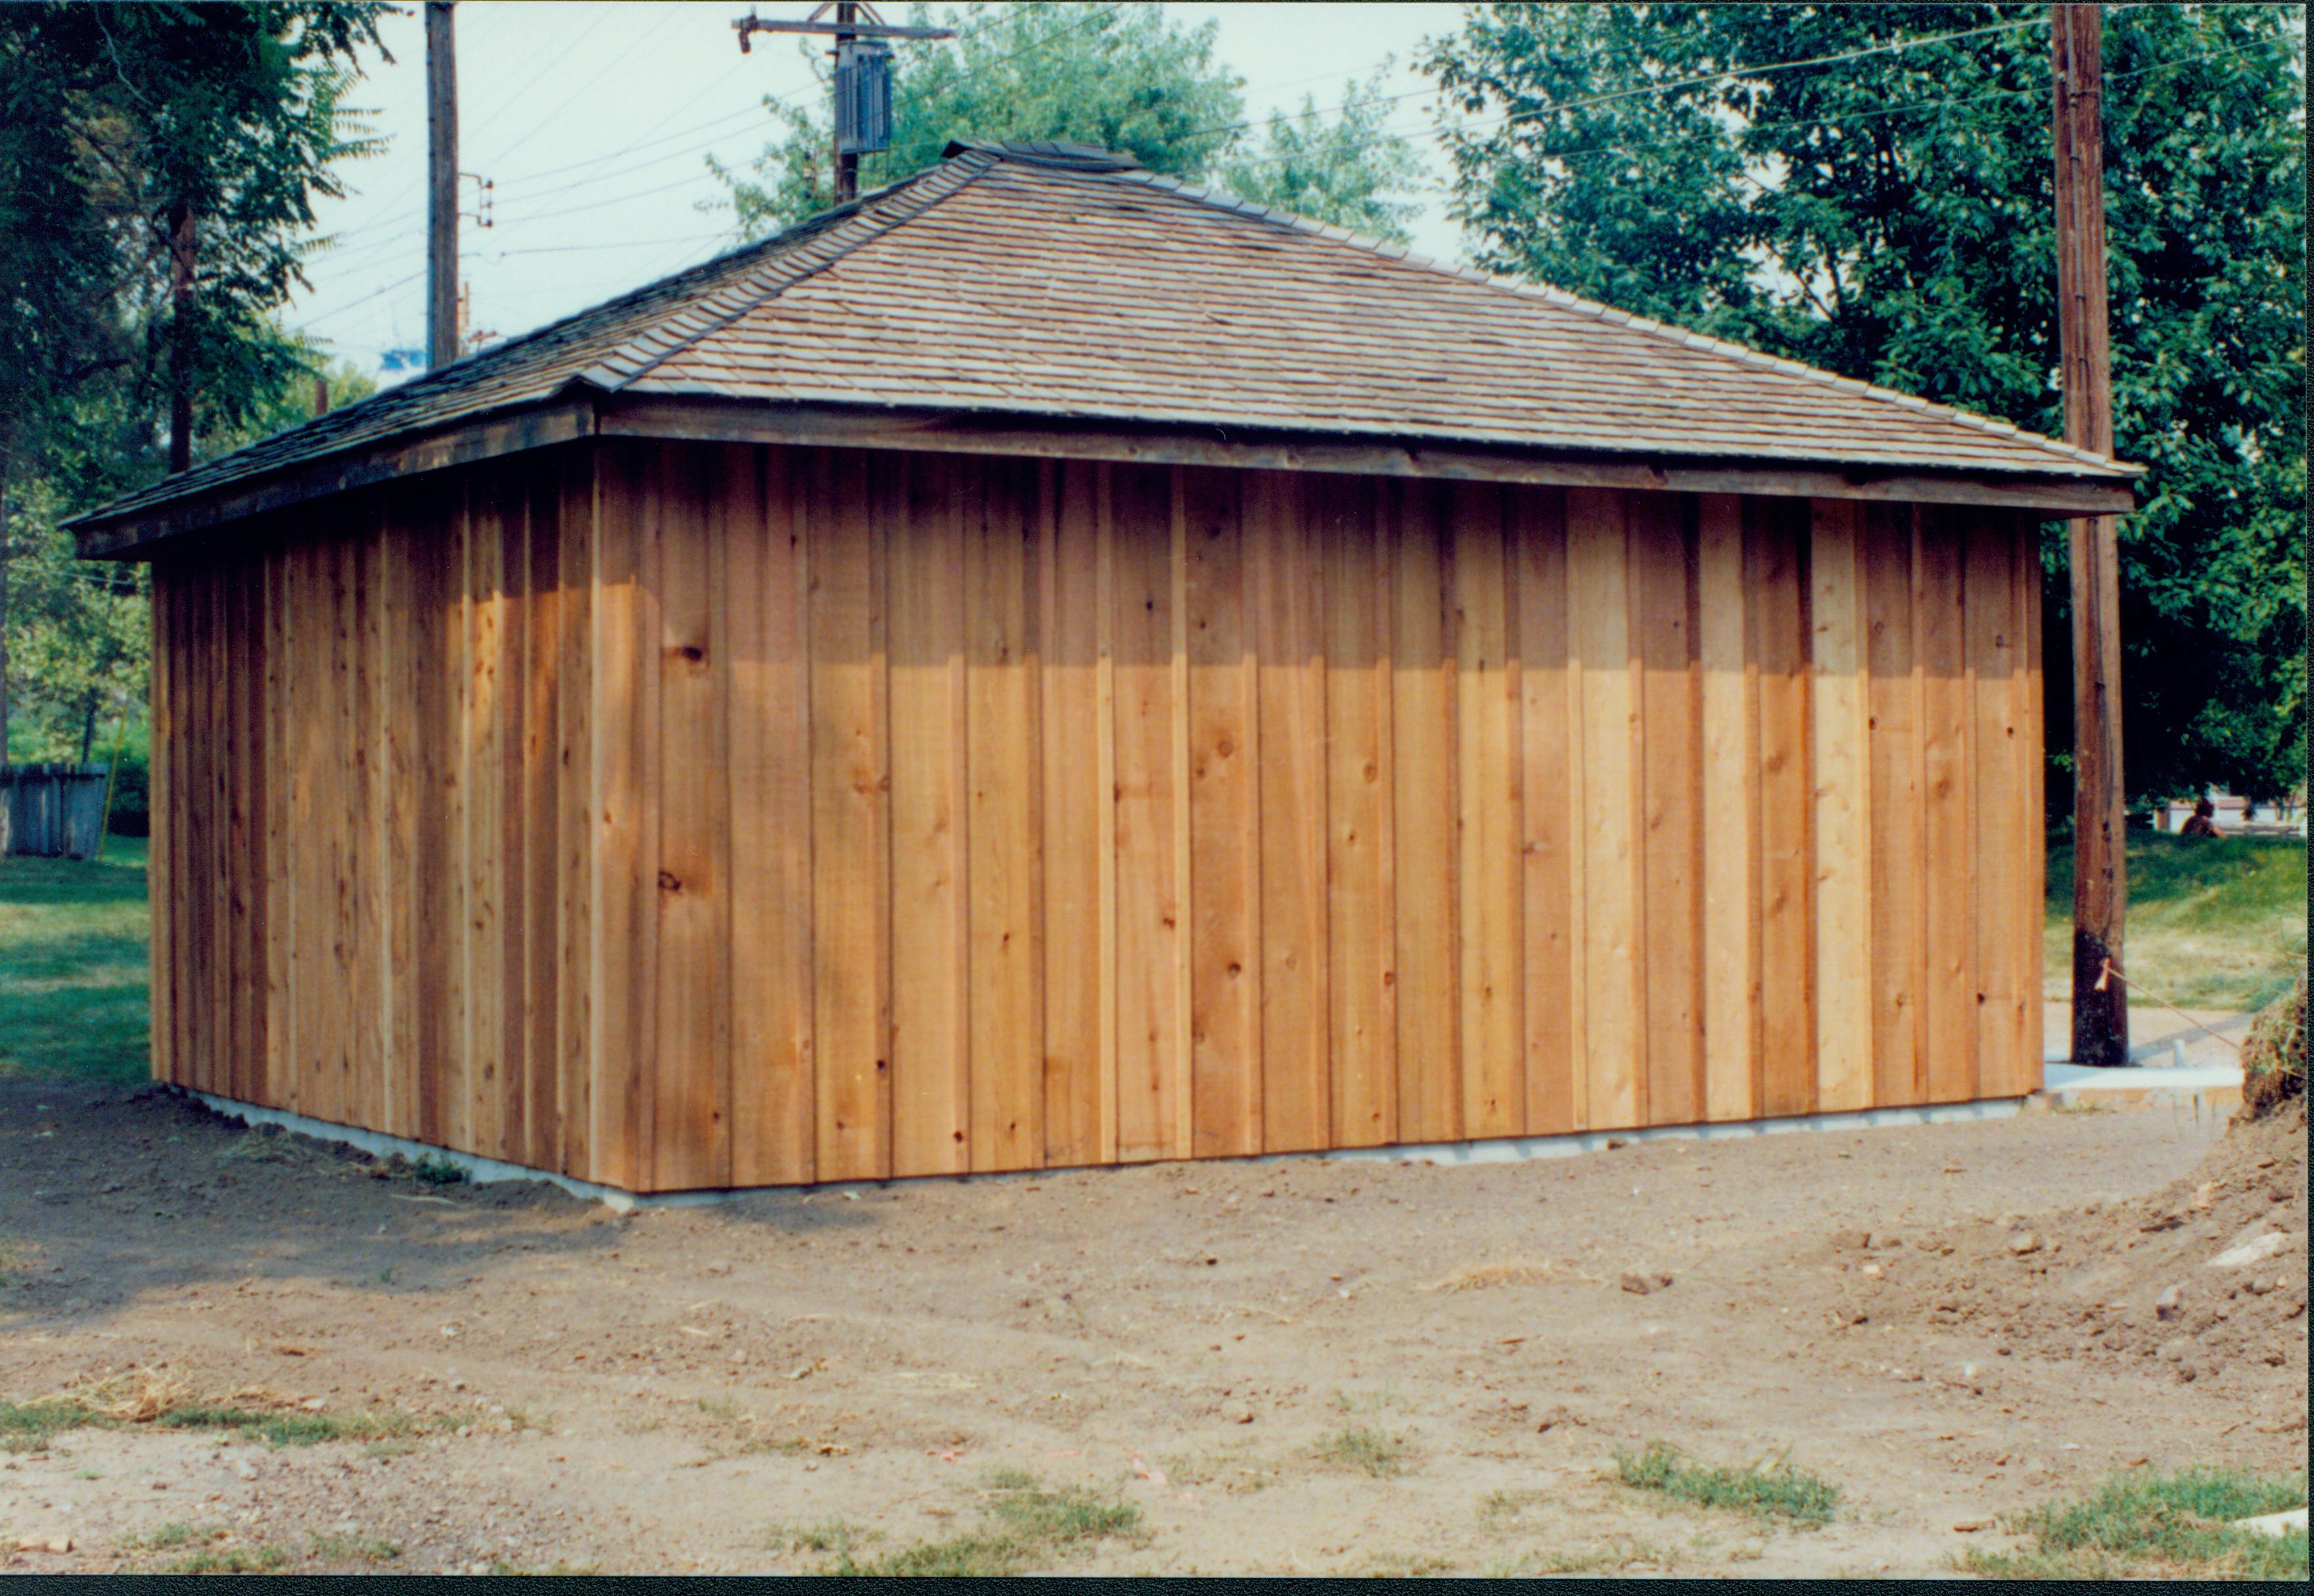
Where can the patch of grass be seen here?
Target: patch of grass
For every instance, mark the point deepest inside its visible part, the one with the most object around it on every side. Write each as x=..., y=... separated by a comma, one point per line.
x=168, y=1538
x=141, y=1397
x=1024, y=1526
x=2158, y=1526
x=352, y=1549
x=2213, y=923
x=1367, y=1450
x=1780, y=1492
x=73, y=999
x=280, y=1428
x=261, y=1558
x=557, y=1570
x=28, y=1426
x=431, y=1169
x=829, y=1535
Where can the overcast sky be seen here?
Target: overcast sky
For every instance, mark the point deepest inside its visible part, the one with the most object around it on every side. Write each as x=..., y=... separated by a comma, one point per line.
x=593, y=117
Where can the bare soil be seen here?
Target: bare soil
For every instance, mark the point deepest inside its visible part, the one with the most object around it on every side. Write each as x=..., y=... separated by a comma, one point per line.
x=680, y=1389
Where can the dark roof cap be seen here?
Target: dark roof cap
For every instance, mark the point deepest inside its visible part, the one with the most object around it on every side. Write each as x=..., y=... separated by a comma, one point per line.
x=1081, y=157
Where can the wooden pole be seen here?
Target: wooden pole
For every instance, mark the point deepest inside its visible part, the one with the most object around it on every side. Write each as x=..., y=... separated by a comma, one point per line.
x=2100, y=822
x=441, y=187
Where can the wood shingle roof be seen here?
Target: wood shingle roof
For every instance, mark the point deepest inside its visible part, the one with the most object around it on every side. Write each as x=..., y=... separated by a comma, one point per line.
x=1054, y=282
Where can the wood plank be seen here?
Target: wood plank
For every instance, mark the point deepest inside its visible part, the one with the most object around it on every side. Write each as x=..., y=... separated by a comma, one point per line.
x=574, y=876
x=241, y=758
x=1552, y=797
x=1106, y=790
x=1286, y=601
x=1898, y=865
x=765, y=552
x=1003, y=530
x=1224, y=819
x=1996, y=634
x=692, y=1100
x=1840, y=759
x=1776, y=554
x=1079, y=954
x=1425, y=808
x=1947, y=809
x=163, y=802
x=1730, y=821
x=363, y=906
x=932, y=1088
x=850, y=836
x=538, y=827
x=1613, y=978
x=625, y=1029
x=1490, y=899
x=1671, y=735
x=2032, y=880
x=327, y=886
x=438, y=575
x=1362, y=921
x=1151, y=1052
x=403, y=656
x=493, y=689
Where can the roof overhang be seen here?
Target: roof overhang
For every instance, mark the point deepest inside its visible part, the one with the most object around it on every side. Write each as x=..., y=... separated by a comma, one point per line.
x=134, y=533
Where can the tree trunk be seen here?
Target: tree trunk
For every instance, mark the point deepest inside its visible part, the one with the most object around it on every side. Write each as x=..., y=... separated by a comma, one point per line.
x=181, y=376
x=3, y=607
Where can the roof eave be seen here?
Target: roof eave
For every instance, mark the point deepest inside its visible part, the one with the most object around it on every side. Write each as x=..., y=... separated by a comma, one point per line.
x=562, y=416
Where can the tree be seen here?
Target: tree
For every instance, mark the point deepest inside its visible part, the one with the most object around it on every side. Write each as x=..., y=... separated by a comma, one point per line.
x=1889, y=216
x=158, y=165
x=1341, y=166
x=1124, y=76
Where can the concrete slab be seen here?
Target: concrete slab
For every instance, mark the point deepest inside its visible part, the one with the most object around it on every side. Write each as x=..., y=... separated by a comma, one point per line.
x=2204, y=1087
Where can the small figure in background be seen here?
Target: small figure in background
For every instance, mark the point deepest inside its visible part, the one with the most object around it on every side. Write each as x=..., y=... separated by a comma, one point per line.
x=2200, y=824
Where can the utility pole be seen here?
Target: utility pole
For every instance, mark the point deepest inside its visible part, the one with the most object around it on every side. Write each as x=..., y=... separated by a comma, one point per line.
x=863, y=78
x=180, y=337
x=441, y=187
x=2100, y=821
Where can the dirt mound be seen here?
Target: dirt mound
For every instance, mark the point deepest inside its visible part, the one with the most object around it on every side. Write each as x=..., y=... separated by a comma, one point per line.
x=2206, y=1276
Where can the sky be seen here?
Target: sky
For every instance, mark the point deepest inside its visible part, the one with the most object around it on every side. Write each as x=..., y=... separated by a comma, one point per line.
x=592, y=119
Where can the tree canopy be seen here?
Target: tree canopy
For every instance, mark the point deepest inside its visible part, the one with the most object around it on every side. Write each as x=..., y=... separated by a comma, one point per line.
x=1124, y=76
x=1889, y=215
x=127, y=132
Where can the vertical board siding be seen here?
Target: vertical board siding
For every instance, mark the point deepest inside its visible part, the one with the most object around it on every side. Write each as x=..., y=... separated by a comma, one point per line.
x=684, y=817
x=1610, y=979
x=1551, y=811
x=1730, y=817
x=1285, y=583
x=1004, y=868
x=931, y=1090
x=1423, y=810
x=1224, y=762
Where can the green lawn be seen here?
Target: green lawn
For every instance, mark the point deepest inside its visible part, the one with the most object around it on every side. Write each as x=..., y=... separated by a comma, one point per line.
x=72, y=965
x=2213, y=923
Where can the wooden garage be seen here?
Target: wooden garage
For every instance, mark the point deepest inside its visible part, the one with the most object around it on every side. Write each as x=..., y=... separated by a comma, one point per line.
x=1048, y=666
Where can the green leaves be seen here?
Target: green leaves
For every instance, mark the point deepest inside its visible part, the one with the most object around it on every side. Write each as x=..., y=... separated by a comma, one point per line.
x=1124, y=76
x=1888, y=217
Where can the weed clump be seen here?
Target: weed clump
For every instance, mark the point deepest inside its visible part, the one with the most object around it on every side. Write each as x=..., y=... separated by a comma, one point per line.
x=1024, y=1526
x=2274, y=1063
x=431, y=1169
x=1779, y=1492
x=2151, y=1526
x=1369, y=1452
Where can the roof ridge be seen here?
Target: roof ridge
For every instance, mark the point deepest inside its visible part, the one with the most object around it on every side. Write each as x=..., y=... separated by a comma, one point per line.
x=660, y=342
x=1553, y=295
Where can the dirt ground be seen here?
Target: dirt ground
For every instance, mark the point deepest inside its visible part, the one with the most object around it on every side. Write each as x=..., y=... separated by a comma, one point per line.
x=1948, y=1322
